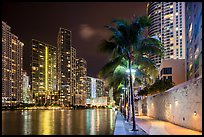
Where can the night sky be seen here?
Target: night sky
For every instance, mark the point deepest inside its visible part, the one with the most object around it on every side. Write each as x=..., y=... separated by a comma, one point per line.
x=86, y=20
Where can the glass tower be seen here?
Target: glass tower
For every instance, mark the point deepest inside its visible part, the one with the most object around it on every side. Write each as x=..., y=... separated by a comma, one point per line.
x=66, y=68
x=44, y=74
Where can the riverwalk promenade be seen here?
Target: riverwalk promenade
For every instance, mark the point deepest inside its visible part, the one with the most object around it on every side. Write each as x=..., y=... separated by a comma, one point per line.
x=122, y=127
x=149, y=126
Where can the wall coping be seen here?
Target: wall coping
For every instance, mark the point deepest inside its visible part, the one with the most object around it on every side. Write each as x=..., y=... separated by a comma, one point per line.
x=184, y=84
x=181, y=85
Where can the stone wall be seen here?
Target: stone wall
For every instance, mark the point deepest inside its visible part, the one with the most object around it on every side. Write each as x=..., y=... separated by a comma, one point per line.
x=181, y=105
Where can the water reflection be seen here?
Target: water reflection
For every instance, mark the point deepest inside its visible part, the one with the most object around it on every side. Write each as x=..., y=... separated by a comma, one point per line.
x=93, y=120
x=57, y=122
x=27, y=124
x=44, y=125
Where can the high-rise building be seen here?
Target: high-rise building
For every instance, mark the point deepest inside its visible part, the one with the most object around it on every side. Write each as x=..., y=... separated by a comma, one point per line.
x=12, y=67
x=168, y=24
x=66, y=68
x=44, y=74
x=81, y=73
x=95, y=88
x=193, y=40
x=100, y=90
x=25, y=87
x=88, y=89
x=110, y=94
x=27, y=95
x=154, y=12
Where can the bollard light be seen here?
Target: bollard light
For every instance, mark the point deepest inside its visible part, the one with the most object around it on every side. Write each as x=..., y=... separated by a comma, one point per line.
x=195, y=113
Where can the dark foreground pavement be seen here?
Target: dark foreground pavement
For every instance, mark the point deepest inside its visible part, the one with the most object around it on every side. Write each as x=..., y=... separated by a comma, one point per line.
x=122, y=127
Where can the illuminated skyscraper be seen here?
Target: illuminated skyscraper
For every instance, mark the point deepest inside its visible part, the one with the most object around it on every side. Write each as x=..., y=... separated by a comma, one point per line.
x=100, y=90
x=95, y=88
x=44, y=74
x=168, y=24
x=81, y=73
x=193, y=40
x=25, y=87
x=66, y=67
x=12, y=66
x=88, y=89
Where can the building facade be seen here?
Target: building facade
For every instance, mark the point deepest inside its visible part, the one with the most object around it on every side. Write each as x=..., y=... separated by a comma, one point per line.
x=88, y=89
x=95, y=89
x=100, y=90
x=173, y=69
x=81, y=73
x=27, y=96
x=168, y=24
x=12, y=67
x=193, y=40
x=44, y=73
x=66, y=68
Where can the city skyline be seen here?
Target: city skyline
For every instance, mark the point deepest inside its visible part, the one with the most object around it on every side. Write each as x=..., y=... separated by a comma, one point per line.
x=51, y=58
x=86, y=21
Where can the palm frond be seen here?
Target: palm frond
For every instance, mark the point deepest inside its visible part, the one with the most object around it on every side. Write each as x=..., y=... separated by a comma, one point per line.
x=110, y=66
x=144, y=21
x=123, y=27
x=144, y=62
x=151, y=46
x=107, y=46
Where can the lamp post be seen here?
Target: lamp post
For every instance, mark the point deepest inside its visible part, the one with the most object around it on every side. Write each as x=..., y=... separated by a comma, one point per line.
x=128, y=105
x=124, y=88
x=121, y=102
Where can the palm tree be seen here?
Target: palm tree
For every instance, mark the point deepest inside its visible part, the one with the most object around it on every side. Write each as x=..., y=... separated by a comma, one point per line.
x=117, y=78
x=128, y=41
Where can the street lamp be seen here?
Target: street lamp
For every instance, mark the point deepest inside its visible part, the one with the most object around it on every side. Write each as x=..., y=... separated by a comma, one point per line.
x=121, y=102
x=132, y=70
x=124, y=88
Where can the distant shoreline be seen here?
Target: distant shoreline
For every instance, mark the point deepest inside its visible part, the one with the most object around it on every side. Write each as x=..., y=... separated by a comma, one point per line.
x=52, y=108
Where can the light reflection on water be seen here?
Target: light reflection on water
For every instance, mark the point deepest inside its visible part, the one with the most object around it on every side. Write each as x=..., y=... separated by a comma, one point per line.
x=58, y=122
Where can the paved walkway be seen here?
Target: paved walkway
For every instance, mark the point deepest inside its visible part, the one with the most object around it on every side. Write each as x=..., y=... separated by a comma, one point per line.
x=124, y=128
x=158, y=127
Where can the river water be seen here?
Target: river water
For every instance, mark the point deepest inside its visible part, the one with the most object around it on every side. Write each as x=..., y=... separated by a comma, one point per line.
x=58, y=122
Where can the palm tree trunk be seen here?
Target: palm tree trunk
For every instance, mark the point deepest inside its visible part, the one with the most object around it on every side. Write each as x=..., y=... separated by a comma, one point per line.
x=125, y=101
x=132, y=96
x=128, y=105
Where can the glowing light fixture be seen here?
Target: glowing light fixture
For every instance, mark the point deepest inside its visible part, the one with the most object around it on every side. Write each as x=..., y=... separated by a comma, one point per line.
x=132, y=70
x=176, y=103
x=195, y=113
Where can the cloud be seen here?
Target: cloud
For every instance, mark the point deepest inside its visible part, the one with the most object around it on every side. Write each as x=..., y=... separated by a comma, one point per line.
x=87, y=32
